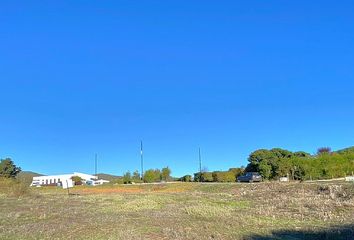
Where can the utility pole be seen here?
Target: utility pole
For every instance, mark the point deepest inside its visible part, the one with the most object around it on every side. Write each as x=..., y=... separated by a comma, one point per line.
x=200, y=166
x=96, y=164
x=142, y=160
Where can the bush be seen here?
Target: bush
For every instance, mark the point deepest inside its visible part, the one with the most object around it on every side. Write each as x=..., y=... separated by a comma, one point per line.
x=207, y=177
x=127, y=178
x=204, y=177
x=224, y=176
x=186, y=178
x=152, y=175
x=13, y=188
x=237, y=171
x=77, y=180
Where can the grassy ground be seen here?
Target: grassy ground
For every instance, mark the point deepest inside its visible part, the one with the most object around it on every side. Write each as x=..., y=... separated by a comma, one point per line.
x=181, y=211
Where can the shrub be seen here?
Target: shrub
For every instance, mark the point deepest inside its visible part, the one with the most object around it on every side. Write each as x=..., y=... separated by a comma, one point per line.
x=224, y=176
x=127, y=178
x=207, y=177
x=186, y=178
x=152, y=175
x=77, y=180
x=204, y=177
x=237, y=171
x=12, y=187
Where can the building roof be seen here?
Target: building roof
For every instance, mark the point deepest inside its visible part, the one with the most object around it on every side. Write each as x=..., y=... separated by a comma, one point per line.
x=66, y=176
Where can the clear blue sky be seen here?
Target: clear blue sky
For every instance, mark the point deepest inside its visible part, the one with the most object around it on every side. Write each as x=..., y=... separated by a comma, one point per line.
x=80, y=77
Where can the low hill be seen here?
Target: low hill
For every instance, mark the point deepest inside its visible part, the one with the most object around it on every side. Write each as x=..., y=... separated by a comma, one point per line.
x=108, y=177
x=346, y=150
x=27, y=176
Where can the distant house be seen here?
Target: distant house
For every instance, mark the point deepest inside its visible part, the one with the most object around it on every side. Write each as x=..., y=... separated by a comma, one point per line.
x=55, y=180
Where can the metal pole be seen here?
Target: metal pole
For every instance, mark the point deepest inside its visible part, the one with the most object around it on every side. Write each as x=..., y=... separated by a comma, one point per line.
x=200, y=166
x=142, y=160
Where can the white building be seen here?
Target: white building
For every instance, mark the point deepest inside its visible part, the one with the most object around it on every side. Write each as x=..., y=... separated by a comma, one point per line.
x=96, y=182
x=54, y=180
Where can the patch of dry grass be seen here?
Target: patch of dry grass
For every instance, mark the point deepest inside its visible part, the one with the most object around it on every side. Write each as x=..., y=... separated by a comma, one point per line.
x=13, y=188
x=175, y=211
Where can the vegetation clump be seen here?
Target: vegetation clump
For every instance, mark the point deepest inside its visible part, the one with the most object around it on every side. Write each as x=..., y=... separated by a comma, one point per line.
x=77, y=180
x=219, y=176
x=278, y=162
x=186, y=178
x=150, y=176
x=8, y=169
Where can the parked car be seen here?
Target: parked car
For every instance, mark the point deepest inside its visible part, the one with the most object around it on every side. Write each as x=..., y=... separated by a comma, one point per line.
x=250, y=177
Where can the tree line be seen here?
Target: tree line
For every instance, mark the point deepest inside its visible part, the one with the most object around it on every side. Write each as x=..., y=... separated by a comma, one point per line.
x=215, y=176
x=275, y=163
x=271, y=164
x=149, y=176
x=325, y=164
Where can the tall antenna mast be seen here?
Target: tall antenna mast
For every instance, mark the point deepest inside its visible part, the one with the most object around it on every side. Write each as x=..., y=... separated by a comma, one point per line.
x=200, y=166
x=142, y=160
x=96, y=164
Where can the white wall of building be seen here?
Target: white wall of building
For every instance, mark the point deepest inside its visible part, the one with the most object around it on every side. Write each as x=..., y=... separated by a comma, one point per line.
x=55, y=179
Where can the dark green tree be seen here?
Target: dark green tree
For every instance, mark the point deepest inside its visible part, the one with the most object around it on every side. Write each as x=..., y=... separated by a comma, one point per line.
x=8, y=169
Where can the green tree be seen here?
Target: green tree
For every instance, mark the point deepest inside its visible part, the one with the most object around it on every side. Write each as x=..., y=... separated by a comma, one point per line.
x=260, y=155
x=8, y=169
x=265, y=169
x=271, y=164
x=152, y=175
x=165, y=174
x=127, y=178
x=283, y=167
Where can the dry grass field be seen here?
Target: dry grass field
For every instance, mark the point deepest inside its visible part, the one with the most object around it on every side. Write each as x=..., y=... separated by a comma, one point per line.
x=180, y=211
